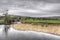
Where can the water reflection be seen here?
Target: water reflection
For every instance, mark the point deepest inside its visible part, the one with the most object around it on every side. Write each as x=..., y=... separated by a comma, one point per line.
x=13, y=34
x=6, y=28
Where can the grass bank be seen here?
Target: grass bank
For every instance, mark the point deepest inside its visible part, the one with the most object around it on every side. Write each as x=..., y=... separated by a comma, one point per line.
x=1, y=21
x=54, y=29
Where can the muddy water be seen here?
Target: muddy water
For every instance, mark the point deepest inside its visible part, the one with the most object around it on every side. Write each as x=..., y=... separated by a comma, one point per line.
x=13, y=34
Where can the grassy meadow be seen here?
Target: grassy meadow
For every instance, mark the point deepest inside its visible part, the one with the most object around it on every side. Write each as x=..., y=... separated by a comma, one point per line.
x=31, y=21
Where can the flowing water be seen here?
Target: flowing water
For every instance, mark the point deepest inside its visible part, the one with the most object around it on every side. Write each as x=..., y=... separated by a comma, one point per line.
x=13, y=34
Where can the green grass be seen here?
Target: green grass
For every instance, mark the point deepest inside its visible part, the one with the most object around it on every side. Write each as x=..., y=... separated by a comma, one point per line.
x=41, y=21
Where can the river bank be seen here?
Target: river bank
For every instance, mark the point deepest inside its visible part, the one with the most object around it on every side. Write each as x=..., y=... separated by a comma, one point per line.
x=25, y=35
x=54, y=29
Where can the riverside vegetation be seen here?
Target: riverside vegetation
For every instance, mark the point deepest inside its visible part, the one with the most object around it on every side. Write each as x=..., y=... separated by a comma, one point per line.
x=34, y=24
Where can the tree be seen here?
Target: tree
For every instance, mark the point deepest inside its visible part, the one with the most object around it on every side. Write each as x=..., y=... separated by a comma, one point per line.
x=7, y=19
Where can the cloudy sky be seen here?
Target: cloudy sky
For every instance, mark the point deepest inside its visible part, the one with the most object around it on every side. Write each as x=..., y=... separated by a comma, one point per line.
x=33, y=8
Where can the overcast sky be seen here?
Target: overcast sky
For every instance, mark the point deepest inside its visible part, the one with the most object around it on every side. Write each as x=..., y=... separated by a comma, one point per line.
x=34, y=8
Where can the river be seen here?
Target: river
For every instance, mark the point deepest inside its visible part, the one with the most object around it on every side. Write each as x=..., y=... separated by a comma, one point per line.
x=13, y=34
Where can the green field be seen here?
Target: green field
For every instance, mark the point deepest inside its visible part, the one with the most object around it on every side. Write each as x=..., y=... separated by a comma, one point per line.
x=41, y=21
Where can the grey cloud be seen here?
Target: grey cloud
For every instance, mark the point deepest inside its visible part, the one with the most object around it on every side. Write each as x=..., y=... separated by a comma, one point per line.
x=32, y=4
x=49, y=1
